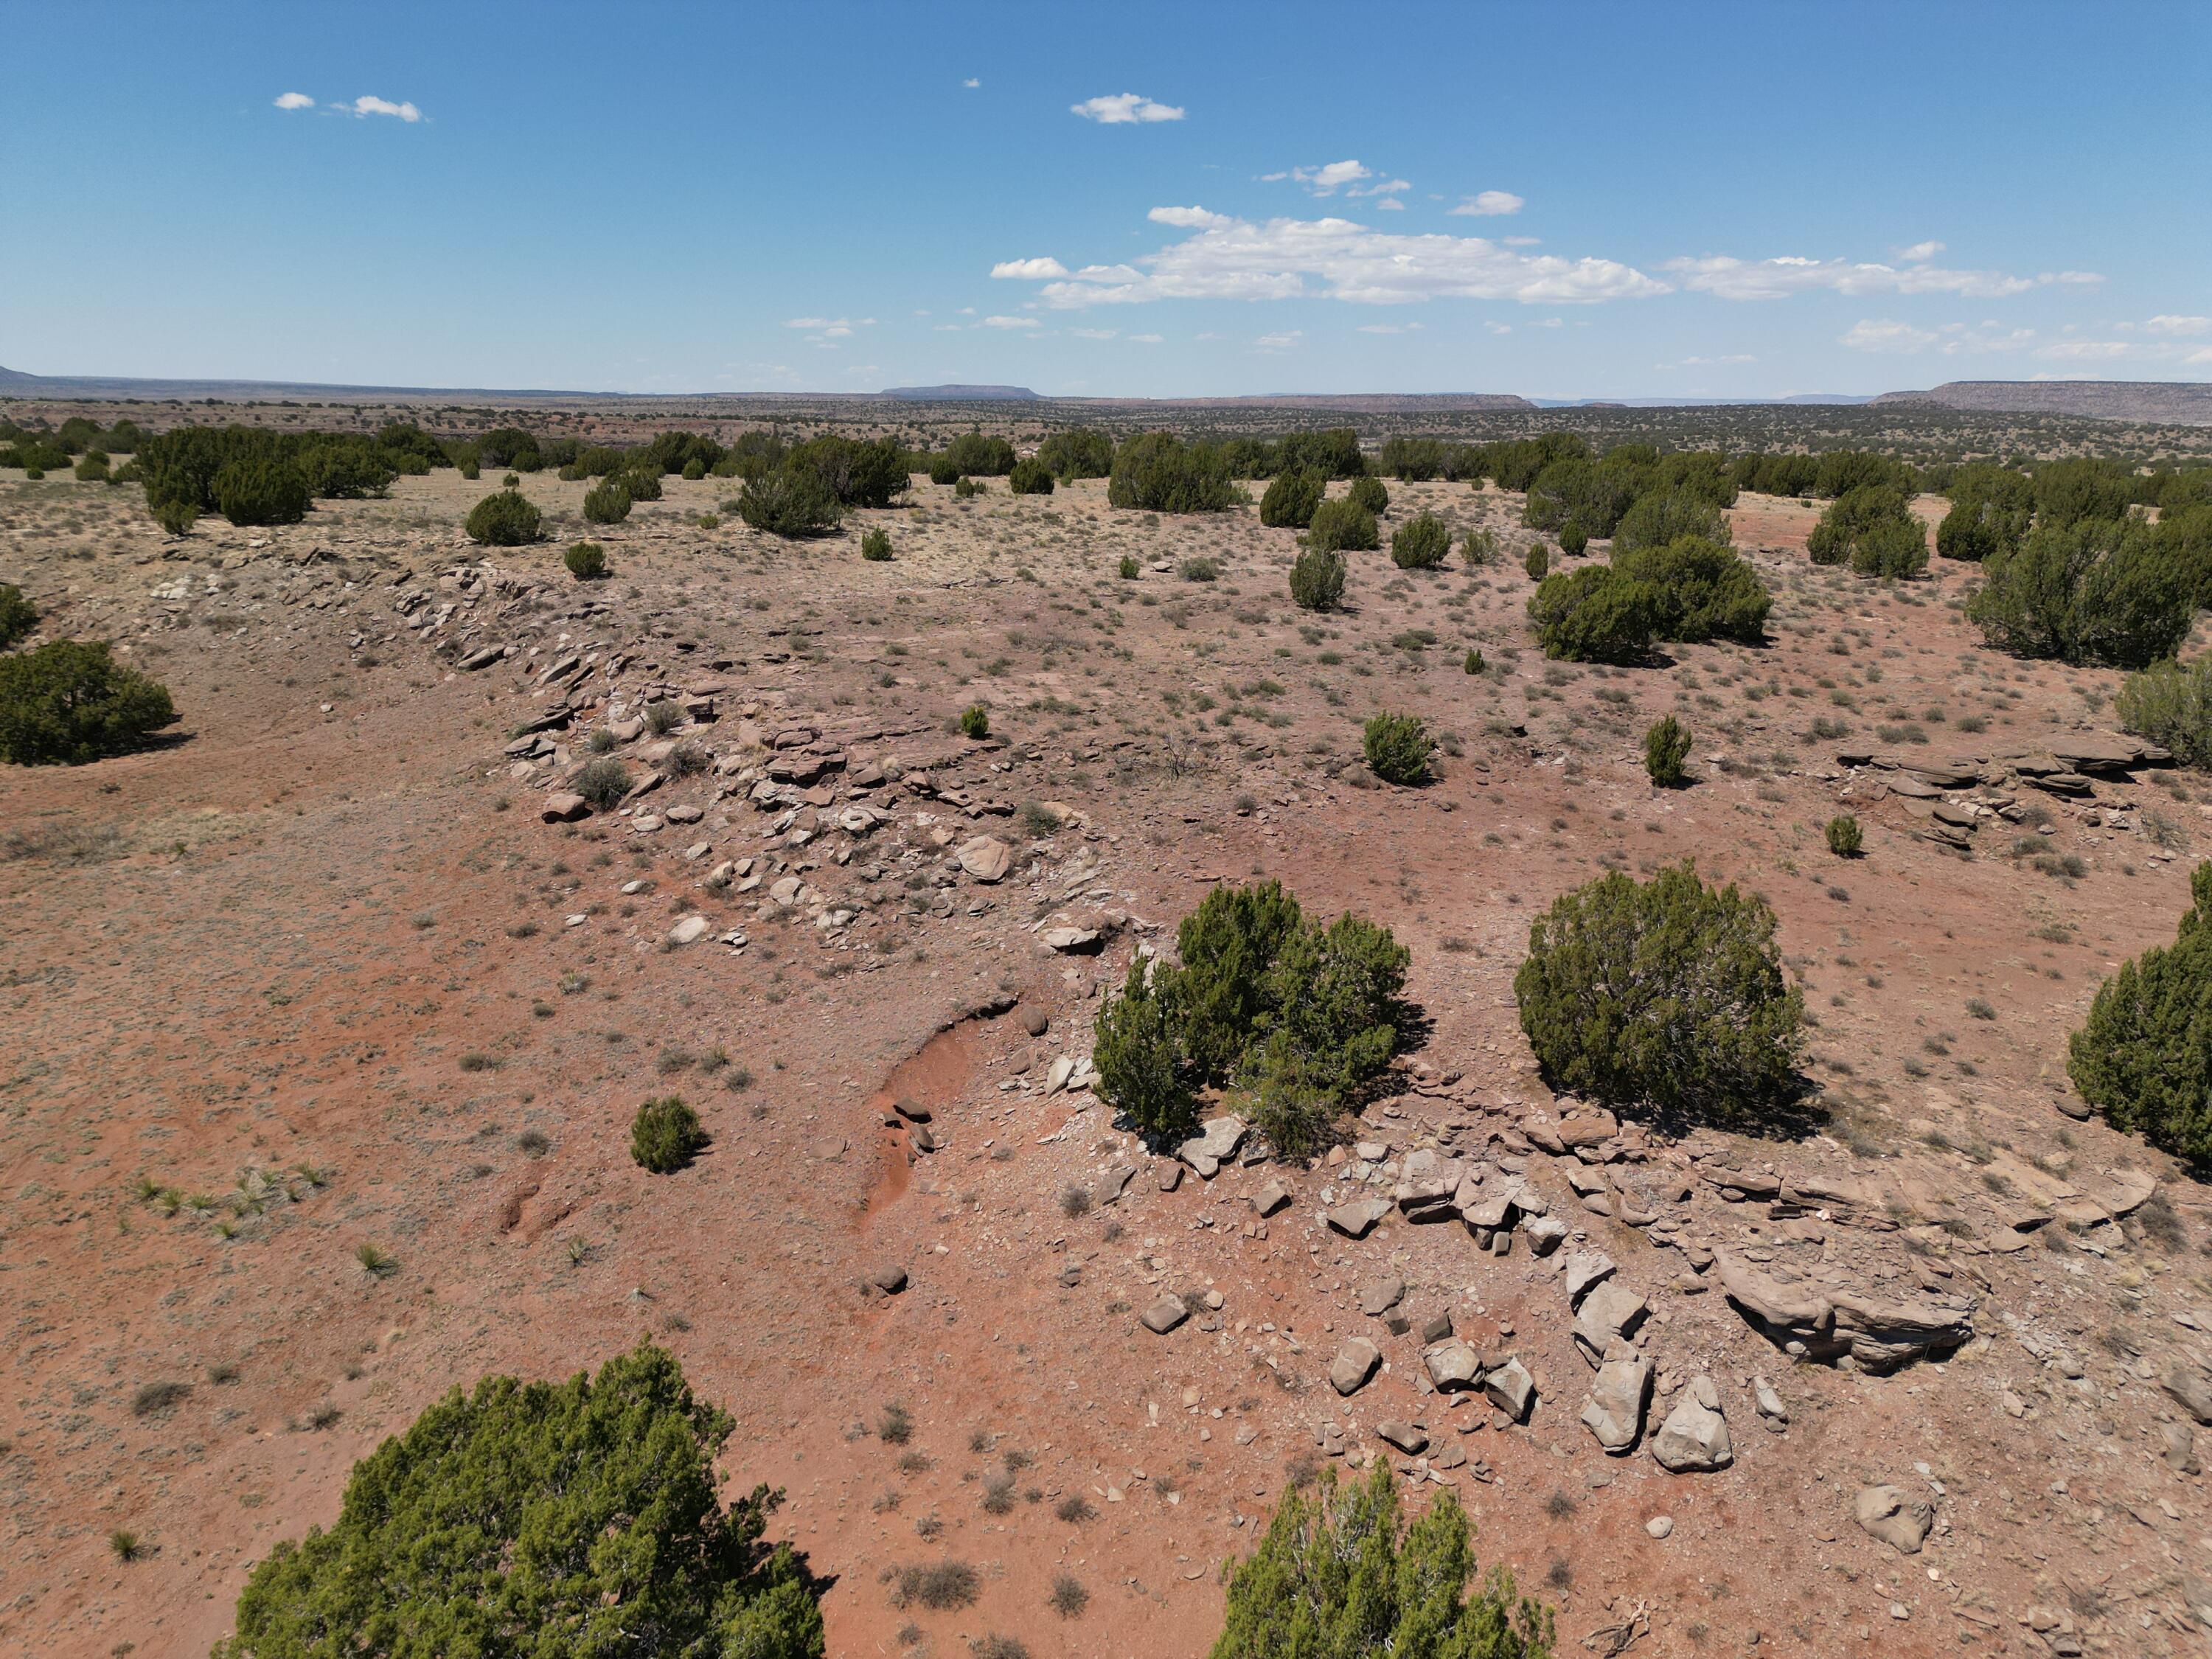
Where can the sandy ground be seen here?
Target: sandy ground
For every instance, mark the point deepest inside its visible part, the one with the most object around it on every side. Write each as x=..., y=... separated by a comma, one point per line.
x=313, y=966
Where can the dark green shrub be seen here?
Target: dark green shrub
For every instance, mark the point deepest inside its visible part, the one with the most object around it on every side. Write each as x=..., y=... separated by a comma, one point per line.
x=942, y=469
x=2114, y=593
x=1666, y=516
x=976, y=722
x=508, y=519
x=1157, y=472
x=869, y=474
x=1538, y=563
x=1030, y=477
x=1991, y=508
x=694, y=469
x=643, y=483
x=1316, y=580
x=1589, y=495
x=586, y=560
x=257, y=491
x=1846, y=839
x=69, y=703
x=790, y=502
x=1343, y=526
x=979, y=457
x=1294, y=1014
x=18, y=615
x=501, y=446
x=876, y=545
x=1338, y=1573
x=93, y=469
x=606, y=503
x=1127, y=568
x=1573, y=539
x=1870, y=528
x=1333, y=454
x=1200, y=569
x=1081, y=452
x=1369, y=495
x=538, y=1518
x=176, y=517
x=1473, y=663
x=966, y=488
x=512, y=480
x=2167, y=703
x=2082, y=490
x=1480, y=547
x=1288, y=502
x=1667, y=994
x=665, y=1136
x=1420, y=543
x=1415, y=459
x=1398, y=748
x=602, y=782
x=1699, y=590
x=471, y=472
x=2145, y=1058
x=1666, y=746
x=1595, y=614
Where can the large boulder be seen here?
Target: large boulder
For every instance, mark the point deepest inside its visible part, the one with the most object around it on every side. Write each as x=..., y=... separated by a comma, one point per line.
x=1213, y=1146
x=1428, y=1183
x=1608, y=1314
x=1357, y=1220
x=1694, y=1438
x=1452, y=1367
x=1408, y=1438
x=1165, y=1315
x=1895, y=1516
x=564, y=808
x=1510, y=1388
x=1354, y=1364
x=2190, y=1389
x=986, y=858
x=1614, y=1413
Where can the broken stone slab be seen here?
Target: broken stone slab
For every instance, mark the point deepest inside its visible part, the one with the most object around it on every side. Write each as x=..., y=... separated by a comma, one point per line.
x=1694, y=1438
x=986, y=858
x=1214, y=1144
x=1409, y=1438
x=1113, y=1183
x=1354, y=1364
x=1827, y=1320
x=1770, y=1404
x=1608, y=1314
x=912, y=1111
x=1074, y=941
x=1428, y=1181
x=1357, y=1220
x=1509, y=1387
x=1271, y=1198
x=1453, y=1365
x=2190, y=1389
x=1614, y=1413
x=690, y=930
x=1895, y=1516
x=1165, y=1315
x=1585, y=1270
x=564, y=808
x=1545, y=1233
x=1379, y=1296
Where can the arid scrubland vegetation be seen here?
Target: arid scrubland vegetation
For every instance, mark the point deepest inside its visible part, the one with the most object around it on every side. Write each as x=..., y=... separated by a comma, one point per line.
x=856, y=1027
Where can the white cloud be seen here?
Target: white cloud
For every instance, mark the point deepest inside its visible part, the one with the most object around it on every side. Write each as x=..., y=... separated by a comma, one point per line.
x=1094, y=333
x=1389, y=205
x=971, y=83
x=1489, y=203
x=1279, y=342
x=2166, y=324
x=2128, y=351
x=1012, y=322
x=1030, y=270
x=1379, y=328
x=1328, y=179
x=1708, y=363
x=1523, y=241
x=1188, y=218
x=369, y=104
x=1124, y=109
x=826, y=331
x=1145, y=339
x=1951, y=339
x=2203, y=355
x=1387, y=188
x=1919, y=253
x=1337, y=258
x=294, y=101
x=1728, y=278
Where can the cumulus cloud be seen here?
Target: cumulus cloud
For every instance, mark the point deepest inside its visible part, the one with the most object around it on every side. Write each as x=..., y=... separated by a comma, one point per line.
x=1388, y=328
x=971, y=83
x=1094, y=333
x=1728, y=278
x=1336, y=259
x=1187, y=218
x=1383, y=187
x=826, y=331
x=1882, y=334
x=1012, y=322
x=2167, y=324
x=1488, y=204
x=1919, y=253
x=1030, y=270
x=1279, y=342
x=294, y=101
x=1327, y=180
x=1124, y=109
x=1146, y=339
x=369, y=104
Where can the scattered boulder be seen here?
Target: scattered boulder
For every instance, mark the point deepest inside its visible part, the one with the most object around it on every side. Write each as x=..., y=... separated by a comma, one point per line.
x=1428, y=1183
x=1545, y=1233
x=1074, y=941
x=1608, y=1314
x=1036, y=1021
x=1614, y=1413
x=891, y=1279
x=1165, y=1315
x=1775, y=1414
x=1585, y=1270
x=1354, y=1364
x=986, y=858
x=1510, y=1388
x=1271, y=1198
x=690, y=930
x=1357, y=1220
x=1453, y=1365
x=2190, y=1389
x=1824, y=1320
x=1694, y=1438
x=1408, y=1438
x=1895, y=1516
x=564, y=808
x=1213, y=1146
x=1378, y=1296
x=912, y=1111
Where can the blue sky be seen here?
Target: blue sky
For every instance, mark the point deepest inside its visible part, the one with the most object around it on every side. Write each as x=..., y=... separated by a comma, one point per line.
x=1561, y=200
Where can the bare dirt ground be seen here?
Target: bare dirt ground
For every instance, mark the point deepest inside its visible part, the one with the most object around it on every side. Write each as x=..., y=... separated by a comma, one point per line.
x=316, y=979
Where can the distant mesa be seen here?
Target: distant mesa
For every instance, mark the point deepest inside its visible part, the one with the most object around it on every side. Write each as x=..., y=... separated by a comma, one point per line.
x=2175, y=402
x=962, y=394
